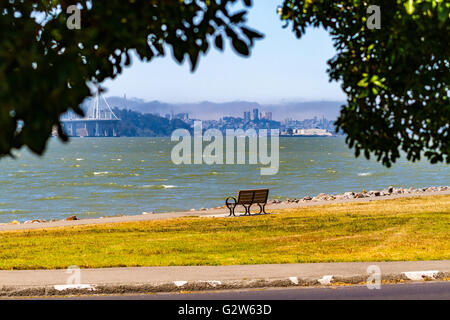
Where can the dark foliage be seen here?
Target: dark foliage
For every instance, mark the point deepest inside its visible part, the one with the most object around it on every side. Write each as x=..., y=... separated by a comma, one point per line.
x=45, y=67
x=396, y=78
x=136, y=124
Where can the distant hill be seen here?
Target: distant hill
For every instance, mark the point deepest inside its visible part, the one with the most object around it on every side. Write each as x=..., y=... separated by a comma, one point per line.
x=207, y=110
x=306, y=110
x=154, y=107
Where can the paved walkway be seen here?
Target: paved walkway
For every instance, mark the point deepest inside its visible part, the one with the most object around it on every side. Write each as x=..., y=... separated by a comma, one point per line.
x=223, y=212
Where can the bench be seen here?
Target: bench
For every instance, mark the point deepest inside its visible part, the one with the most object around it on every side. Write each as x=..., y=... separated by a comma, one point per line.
x=247, y=198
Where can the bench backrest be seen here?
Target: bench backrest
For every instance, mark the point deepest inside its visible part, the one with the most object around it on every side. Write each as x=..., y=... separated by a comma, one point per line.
x=253, y=196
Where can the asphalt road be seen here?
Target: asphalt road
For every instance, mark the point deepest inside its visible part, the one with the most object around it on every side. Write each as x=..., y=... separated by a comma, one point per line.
x=410, y=291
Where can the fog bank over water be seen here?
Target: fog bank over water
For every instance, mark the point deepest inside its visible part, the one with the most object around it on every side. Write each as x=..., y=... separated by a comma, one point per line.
x=207, y=110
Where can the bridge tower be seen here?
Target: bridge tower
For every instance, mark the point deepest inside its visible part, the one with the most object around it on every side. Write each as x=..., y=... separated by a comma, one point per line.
x=99, y=121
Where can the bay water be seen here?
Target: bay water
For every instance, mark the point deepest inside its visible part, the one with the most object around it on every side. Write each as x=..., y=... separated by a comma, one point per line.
x=94, y=177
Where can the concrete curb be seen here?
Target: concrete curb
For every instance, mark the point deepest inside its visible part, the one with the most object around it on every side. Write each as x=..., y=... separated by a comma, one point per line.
x=178, y=286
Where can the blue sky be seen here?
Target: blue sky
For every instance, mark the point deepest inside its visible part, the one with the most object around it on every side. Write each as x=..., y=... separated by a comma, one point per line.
x=280, y=69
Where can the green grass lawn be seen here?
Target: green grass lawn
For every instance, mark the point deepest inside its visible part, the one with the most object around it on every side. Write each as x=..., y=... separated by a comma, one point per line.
x=401, y=229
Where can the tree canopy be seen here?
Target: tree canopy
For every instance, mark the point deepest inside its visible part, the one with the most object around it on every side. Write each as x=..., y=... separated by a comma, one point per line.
x=396, y=78
x=46, y=67
x=136, y=124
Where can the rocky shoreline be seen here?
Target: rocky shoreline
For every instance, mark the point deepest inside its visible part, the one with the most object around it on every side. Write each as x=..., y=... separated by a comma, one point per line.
x=363, y=194
x=322, y=197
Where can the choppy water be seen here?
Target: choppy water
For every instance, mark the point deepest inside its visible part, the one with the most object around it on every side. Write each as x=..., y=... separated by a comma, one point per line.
x=94, y=177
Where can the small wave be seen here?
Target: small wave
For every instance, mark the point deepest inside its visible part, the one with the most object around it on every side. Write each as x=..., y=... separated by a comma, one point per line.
x=193, y=175
x=57, y=198
x=20, y=173
x=76, y=184
x=80, y=159
x=214, y=173
x=120, y=186
x=153, y=186
x=147, y=186
x=17, y=212
x=102, y=173
x=364, y=174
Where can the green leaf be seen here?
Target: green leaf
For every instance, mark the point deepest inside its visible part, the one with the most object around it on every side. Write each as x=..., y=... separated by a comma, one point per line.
x=363, y=83
x=409, y=5
x=238, y=17
x=194, y=60
x=240, y=46
x=218, y=42
x=252, y=34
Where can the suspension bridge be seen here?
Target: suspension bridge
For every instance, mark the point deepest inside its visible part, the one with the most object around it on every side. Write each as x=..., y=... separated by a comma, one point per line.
x=99, y=121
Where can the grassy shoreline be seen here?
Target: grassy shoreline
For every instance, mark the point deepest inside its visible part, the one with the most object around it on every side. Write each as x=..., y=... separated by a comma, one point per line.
x=386, y=230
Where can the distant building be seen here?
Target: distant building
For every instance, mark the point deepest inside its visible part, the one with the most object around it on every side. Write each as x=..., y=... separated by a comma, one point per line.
x=255, y=114
x=247, y=116
x=311, y=132
x=268, y=116
x=288, y=121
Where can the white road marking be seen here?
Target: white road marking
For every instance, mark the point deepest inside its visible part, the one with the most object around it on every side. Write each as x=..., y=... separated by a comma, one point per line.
x=74, y=286
x=294, y=280
x=214, y=283
x=180, y=283
x=420, y=275
x=325, y=280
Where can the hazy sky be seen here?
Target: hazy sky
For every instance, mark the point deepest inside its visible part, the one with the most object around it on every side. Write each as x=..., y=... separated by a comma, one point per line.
x=281, y=68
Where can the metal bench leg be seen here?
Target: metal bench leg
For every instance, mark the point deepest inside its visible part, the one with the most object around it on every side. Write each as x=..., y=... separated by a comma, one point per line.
x=264, y=209
x=231, y=205
x=261, y=209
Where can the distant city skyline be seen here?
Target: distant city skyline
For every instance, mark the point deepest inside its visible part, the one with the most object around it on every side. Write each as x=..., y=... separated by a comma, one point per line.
x=281, y=69
x=258, y=119
x=246, y=109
